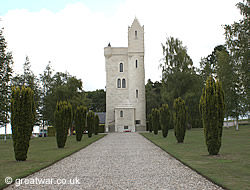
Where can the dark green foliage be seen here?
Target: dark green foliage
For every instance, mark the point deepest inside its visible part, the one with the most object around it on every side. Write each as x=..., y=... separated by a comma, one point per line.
x=101, y=128
x=63, y=121
x=51, y=131
x=155, y=120
x=164, y=119
x=150, y=128
x=80, y=121
x=180, y=119
x=153, y=95
x=96, y=124
x=22, y=120
x=180, y=79
x=90, y=122
x=212, y=108
x=97, y=100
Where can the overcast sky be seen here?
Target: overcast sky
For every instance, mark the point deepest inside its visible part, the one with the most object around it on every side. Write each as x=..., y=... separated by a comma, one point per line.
x=72, y=34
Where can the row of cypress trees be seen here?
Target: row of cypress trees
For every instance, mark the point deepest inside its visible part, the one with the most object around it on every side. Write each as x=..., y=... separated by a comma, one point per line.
x=63, y=121
x=161, y=119
x=212, y=109
x=23, y=115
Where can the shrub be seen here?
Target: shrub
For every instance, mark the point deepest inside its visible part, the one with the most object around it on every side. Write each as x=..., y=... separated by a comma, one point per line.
x=180, y=119
x=80, y=121
x=155, y=120
x=63, y=121
x=212, y=108
x=22, y=120
x=164, y=119
x=96, y=124
x=90, y=122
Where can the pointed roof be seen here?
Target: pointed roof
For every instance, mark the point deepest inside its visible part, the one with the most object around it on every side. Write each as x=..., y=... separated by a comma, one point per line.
x=136, y=22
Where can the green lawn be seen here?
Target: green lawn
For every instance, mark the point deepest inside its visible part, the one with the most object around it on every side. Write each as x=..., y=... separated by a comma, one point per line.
x=230, y=169
x=42, y=153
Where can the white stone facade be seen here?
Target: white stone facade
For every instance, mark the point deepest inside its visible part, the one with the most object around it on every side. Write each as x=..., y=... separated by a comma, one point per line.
x=125, y=83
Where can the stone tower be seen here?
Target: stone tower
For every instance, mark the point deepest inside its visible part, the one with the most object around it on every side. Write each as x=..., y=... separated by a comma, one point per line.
x=125, y=83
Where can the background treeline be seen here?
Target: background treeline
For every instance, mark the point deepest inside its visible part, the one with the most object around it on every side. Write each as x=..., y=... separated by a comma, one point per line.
x=229, y=63
x=49, y=88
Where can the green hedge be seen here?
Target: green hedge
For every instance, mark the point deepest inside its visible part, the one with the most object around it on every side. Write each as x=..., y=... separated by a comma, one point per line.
x=51, y=131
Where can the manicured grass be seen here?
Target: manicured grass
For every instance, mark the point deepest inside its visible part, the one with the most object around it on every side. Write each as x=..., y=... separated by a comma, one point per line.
x=42, y=153
x=230, y=169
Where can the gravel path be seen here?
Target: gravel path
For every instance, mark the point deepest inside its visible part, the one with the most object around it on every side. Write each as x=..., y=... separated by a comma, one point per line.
x=118, y=161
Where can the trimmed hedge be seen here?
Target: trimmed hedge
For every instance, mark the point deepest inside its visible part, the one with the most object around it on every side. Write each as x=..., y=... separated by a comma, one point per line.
x=51, y=131
x=101, y=128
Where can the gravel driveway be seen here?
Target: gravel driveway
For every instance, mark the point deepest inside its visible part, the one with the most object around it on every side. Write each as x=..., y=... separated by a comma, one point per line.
x=117, y=161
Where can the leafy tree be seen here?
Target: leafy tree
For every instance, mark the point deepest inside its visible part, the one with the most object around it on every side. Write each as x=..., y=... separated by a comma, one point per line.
x=180, y=119
x=90, y=122
x=6, y=62
x=155, y=120
x=212, y=108
x=164, y=119
x=209, y=64
x=61, y=87
x=175, y=58
x=237, y=42
x=96, y=124
x=46, y=91
x=97, y=100
x=180, y=79
x=63, y=121
x=80, y=121
x=153, y=95
x=22, y=120
x=227, y=76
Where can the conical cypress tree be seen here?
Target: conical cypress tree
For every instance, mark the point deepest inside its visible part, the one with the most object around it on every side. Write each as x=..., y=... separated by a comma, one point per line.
x=164, y=119
x=155, y=120
x=63, y=121
x=22, y=120
x=90, y=122
x=96, y=124
x=180, y=119
x=212, y=108
x=150, y=123
x=80, y=121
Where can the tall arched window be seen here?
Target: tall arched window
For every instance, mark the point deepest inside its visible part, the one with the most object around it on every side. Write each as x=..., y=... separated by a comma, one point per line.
x=136, y=63
x=137, y=93
x=121, y=67
x=121, y=113
x=136, y=34
x=118, y=83
x=123, y=83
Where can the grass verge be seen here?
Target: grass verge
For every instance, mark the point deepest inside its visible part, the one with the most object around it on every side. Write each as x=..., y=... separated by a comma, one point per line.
x=230, y=169
x=42, y=153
